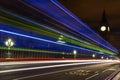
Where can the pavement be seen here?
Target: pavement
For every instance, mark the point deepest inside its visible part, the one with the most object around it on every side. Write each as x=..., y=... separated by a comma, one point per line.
x=58, y=70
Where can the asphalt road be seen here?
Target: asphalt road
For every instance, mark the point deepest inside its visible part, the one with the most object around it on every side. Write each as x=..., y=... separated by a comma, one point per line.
x=77, y=72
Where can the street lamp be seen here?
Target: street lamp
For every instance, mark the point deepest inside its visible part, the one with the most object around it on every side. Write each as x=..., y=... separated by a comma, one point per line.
x=93, y=55
x=75, y=53
x=63, y=55
x=9, y=43
x=102, y=57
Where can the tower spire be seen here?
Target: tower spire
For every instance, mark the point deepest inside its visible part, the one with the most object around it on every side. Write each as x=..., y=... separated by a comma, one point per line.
x=104, y=19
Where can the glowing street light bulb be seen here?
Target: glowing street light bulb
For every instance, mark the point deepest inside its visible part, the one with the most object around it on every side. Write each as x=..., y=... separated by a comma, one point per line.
x=103, y=28
x=93, y=55
x=6, y=43
x=74, y=52
x=9, y=43
x=12, y=43
x=102, y=57
x=9, y=40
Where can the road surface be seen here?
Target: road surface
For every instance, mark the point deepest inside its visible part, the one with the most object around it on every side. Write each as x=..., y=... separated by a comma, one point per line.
x=98, y=71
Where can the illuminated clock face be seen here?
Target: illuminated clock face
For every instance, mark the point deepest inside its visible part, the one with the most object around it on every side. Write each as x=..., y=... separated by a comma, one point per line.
x=103, y=28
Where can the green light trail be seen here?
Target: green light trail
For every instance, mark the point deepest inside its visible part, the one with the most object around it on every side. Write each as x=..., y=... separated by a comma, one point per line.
x=36, y=50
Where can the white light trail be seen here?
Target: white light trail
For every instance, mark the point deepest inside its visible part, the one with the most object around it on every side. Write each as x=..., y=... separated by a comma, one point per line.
x=79, y=62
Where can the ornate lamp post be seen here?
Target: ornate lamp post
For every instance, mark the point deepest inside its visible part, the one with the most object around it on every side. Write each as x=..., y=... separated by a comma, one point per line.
x=9, y=43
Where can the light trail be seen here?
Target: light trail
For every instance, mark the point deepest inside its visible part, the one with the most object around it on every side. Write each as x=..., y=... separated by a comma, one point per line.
x=55, y=61
x=40, y=39
x=43, y=26
x=60, y=65
x=91, y=46
x=47, y=10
